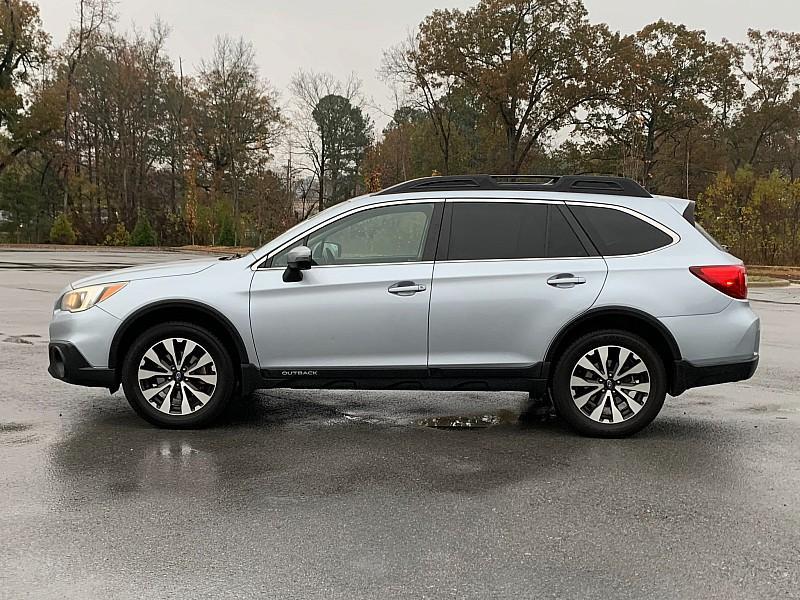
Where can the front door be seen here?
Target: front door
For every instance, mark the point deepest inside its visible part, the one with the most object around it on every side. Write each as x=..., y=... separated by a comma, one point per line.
x=364, y=302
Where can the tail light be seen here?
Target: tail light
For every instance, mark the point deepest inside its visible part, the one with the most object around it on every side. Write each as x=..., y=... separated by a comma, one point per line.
x=728, y=279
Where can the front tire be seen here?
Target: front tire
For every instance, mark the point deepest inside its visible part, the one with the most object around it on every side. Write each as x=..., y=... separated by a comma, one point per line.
x=609, y=384
x=178, y=376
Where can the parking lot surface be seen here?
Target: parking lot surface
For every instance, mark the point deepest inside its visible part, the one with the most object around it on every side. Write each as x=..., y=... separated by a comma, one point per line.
x=355, y=495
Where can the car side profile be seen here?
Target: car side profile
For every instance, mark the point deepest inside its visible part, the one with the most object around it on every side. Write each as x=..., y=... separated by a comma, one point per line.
x=585, y=288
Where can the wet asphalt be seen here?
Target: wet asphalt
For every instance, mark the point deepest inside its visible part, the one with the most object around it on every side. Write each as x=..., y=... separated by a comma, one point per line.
x=354, y=495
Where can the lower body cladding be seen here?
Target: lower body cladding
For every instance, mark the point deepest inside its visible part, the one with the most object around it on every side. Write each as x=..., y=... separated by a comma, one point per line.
x=716, y=348
x=526, y=379
x=69, y=365
x=683, y=376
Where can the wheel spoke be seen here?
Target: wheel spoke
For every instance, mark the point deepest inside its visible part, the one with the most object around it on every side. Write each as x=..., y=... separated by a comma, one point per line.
x=622, y=357
x=201, y=396
x=635, y=369
x=187, y=352
x=152, y=392
x=616, y=414
x=598, y=411
x=170, y=346
x=166, y=403
x=147, y=373
x=155, y=359
x=635, y=387
x=209, y=379
x=204, y=360
x=633, y=405
x=602, y=352
x=185, y=407
x=587, y=364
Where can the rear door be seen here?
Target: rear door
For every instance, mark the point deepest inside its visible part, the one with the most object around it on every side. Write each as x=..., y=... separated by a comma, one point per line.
x=508, y=275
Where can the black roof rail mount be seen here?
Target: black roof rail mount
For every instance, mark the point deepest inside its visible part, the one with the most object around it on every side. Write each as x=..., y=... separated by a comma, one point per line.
x=575, y=184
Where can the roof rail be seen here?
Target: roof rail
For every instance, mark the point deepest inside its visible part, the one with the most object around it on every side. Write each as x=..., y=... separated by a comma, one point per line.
x=576, y=184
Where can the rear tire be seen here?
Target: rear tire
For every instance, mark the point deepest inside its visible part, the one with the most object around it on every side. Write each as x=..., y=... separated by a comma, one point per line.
x=609, y=384
x=178, y=376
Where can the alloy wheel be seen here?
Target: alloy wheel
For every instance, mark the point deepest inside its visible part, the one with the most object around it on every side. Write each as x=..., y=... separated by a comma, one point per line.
x=177, y=376
x=610, y=384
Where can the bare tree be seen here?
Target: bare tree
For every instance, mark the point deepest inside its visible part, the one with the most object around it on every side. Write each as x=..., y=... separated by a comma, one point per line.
x=422, y=90
x=308, y=89
x=93, y=16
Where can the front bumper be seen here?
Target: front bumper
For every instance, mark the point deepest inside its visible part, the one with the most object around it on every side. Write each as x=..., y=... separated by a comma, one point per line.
x=687, y=376
x=70, y=366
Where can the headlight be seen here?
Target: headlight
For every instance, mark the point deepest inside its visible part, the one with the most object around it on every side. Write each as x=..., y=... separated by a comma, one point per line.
x=85, y=298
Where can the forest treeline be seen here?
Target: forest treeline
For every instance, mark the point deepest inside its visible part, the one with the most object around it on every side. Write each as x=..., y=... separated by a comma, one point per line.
x=106, y=139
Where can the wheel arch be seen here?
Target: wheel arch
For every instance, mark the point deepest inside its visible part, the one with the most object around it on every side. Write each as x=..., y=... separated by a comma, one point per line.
x=622, y=318
x=176, y=310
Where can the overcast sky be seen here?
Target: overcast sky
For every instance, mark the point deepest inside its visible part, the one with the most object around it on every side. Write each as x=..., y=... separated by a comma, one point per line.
x=344, y=36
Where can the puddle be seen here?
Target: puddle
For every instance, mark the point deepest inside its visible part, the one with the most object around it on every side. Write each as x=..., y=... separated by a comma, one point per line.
x=56, y=266
x=503, y=417
x=14, y=427
x=15, y=339
x=767, y=408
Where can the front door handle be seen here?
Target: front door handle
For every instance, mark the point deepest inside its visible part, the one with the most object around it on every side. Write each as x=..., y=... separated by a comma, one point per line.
x=565, y=280
x=406, y=288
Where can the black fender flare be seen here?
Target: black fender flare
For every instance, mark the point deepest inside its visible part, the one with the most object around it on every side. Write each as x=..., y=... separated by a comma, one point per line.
x=211, y=312
x=612, y=311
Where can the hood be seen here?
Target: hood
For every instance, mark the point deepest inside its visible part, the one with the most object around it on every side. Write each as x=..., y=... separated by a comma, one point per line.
x=170, y=269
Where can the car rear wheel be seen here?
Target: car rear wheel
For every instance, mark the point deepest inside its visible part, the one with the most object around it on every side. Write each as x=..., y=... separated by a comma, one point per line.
x=609, y=384
x=178, y=375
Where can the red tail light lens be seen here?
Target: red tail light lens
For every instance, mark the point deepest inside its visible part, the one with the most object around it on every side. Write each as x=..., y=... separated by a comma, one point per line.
x=728, y=279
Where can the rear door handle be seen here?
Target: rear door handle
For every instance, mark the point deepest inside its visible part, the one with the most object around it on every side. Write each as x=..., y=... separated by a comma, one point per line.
x=565, y=280
x=406, y=288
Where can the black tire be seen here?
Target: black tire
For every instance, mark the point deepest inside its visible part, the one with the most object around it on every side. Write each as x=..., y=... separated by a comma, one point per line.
x=577, y=418
x=225, y=376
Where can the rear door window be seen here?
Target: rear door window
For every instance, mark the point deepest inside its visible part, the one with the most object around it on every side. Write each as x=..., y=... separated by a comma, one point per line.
x=510, y=230
x=618, y=233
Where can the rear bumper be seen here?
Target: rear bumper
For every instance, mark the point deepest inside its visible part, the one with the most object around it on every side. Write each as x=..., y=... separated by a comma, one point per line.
x=687, y=376
x=67, y=364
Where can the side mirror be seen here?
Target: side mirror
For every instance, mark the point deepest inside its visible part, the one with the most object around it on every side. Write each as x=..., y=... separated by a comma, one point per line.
x=298, y=260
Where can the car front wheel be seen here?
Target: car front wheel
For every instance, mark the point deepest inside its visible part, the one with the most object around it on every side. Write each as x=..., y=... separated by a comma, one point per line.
x=178, y=375
x=609, y=384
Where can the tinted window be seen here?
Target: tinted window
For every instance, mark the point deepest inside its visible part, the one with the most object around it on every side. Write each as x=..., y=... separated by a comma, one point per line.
x=617, y=233
x=378, y=235
x=493, y=230
x=561, y=239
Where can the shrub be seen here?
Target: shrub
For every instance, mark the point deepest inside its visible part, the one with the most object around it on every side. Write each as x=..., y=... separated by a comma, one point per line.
x=62, y=232
x=119, y=237
x=143, y=234
x=227, y=236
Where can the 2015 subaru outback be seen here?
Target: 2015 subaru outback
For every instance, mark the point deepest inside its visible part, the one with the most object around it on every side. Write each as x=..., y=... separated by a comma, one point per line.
x=585, y=288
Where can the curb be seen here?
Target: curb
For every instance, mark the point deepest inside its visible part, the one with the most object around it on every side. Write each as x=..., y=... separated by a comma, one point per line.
x=776, y=283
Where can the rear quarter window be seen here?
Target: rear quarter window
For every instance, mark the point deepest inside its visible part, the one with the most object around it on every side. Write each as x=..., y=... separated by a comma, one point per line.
x=618, y=233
